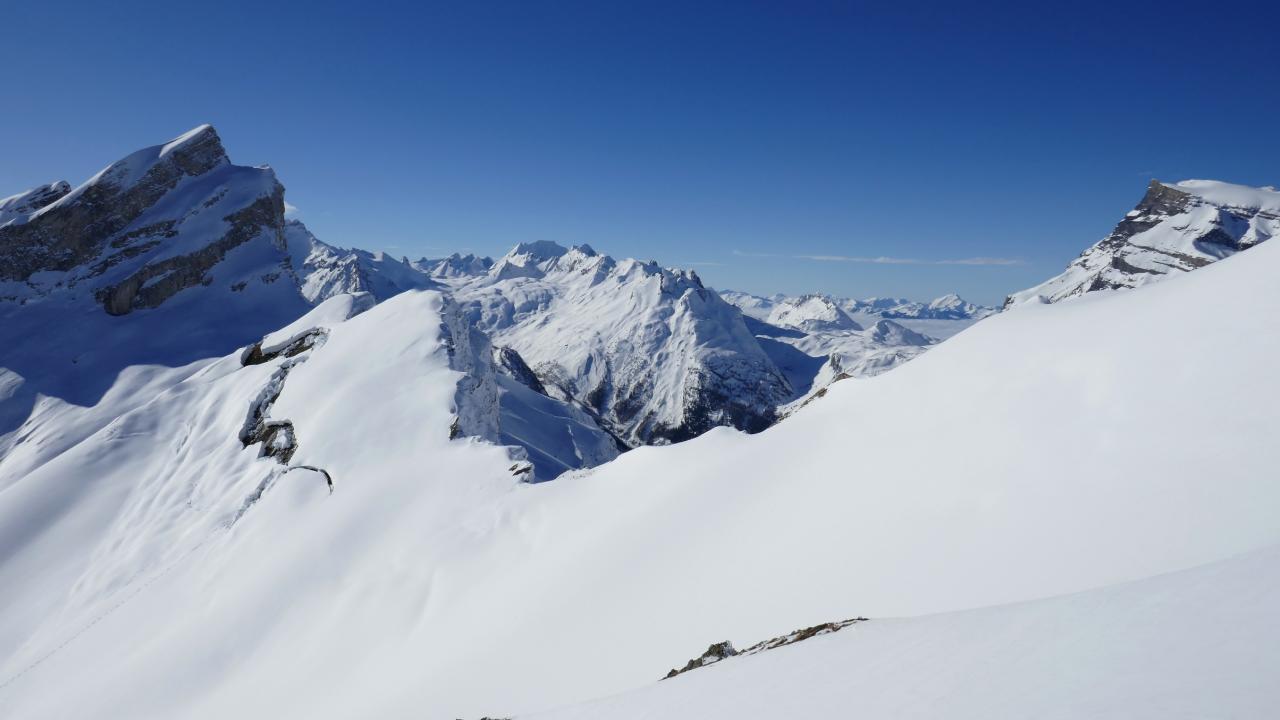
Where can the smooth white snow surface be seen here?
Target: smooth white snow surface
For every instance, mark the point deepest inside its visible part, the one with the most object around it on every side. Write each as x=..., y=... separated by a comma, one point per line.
x=156, y=569
x=1232, y=195
x=1196, y=644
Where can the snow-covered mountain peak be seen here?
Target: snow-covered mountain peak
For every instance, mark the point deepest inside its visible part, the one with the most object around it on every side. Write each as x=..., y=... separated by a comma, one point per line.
x=649, y=350
x=455, y=267
x=537, y=250
x=1176, y=227
x=888, y=332
x=192, y=153
x=146, y=227
x=810, y=313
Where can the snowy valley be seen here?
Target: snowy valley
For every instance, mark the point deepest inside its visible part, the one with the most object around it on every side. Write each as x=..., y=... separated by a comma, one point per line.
x=241, y=467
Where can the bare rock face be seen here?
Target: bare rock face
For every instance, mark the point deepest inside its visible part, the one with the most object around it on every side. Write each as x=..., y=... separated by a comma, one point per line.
x=145, y=228
x=71, y=230
x=1175, y=228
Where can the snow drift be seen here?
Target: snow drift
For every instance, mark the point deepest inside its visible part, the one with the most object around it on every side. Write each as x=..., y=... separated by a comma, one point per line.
x=1041, y=452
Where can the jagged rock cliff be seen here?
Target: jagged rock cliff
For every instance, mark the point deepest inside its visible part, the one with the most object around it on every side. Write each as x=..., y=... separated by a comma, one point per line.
x=1175, y=228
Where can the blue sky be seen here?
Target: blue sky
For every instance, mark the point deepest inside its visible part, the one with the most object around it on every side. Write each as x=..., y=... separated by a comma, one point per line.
x=764, y=144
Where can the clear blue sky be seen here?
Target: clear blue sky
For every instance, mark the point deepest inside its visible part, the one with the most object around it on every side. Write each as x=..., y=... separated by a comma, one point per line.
x=738, y=138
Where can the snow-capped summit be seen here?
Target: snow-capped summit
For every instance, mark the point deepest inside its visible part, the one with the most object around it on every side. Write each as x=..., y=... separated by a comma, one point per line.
x=649, y=350
x=811, y=313
x=1175, y=228
x=535, y=259
x=888, y=332
x=454, y=267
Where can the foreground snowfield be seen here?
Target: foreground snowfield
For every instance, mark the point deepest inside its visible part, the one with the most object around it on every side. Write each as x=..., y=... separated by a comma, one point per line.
x=1044, y=451
x=1196, y=644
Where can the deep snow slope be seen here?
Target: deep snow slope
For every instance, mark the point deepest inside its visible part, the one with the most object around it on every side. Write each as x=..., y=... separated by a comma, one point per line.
x=652, y=353
x=1175, y=228
x=1196, y=644
x=1045, y=451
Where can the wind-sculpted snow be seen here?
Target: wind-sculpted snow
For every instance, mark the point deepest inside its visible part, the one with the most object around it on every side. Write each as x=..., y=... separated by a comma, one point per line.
x=649, y=351
x=1041, y=452
x=1194, y=644
x=1175, y=228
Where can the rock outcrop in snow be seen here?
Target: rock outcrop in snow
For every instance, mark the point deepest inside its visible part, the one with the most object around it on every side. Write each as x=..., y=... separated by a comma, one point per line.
x=1175, y=228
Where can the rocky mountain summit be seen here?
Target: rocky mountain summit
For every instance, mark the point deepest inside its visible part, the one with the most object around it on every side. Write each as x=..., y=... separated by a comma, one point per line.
x=650, y=351
x=1174, y=228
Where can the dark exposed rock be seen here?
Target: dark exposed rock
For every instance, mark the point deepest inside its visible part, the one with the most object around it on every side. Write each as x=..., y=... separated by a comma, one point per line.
x=509, y=363
x=35, y=198
x=278, y=438
x=714, y=654
x=722, y=650
x=156, y=282
x=255, y=354
x=68, y=234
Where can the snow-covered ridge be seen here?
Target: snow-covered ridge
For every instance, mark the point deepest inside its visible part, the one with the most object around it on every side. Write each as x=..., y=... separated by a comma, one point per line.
x=195, y=256
x=19, y=208
x=432, y=582
x=810, y=313
x=1175, y=228
x=1039, y=453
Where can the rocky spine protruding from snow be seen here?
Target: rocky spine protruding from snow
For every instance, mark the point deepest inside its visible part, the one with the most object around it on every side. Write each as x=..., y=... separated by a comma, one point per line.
x=1175, y=228
x=652, y=353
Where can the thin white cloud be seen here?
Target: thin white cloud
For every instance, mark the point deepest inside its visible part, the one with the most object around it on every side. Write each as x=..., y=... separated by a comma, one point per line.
x=983, y=261
x=886, y=260
x=290, y=210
